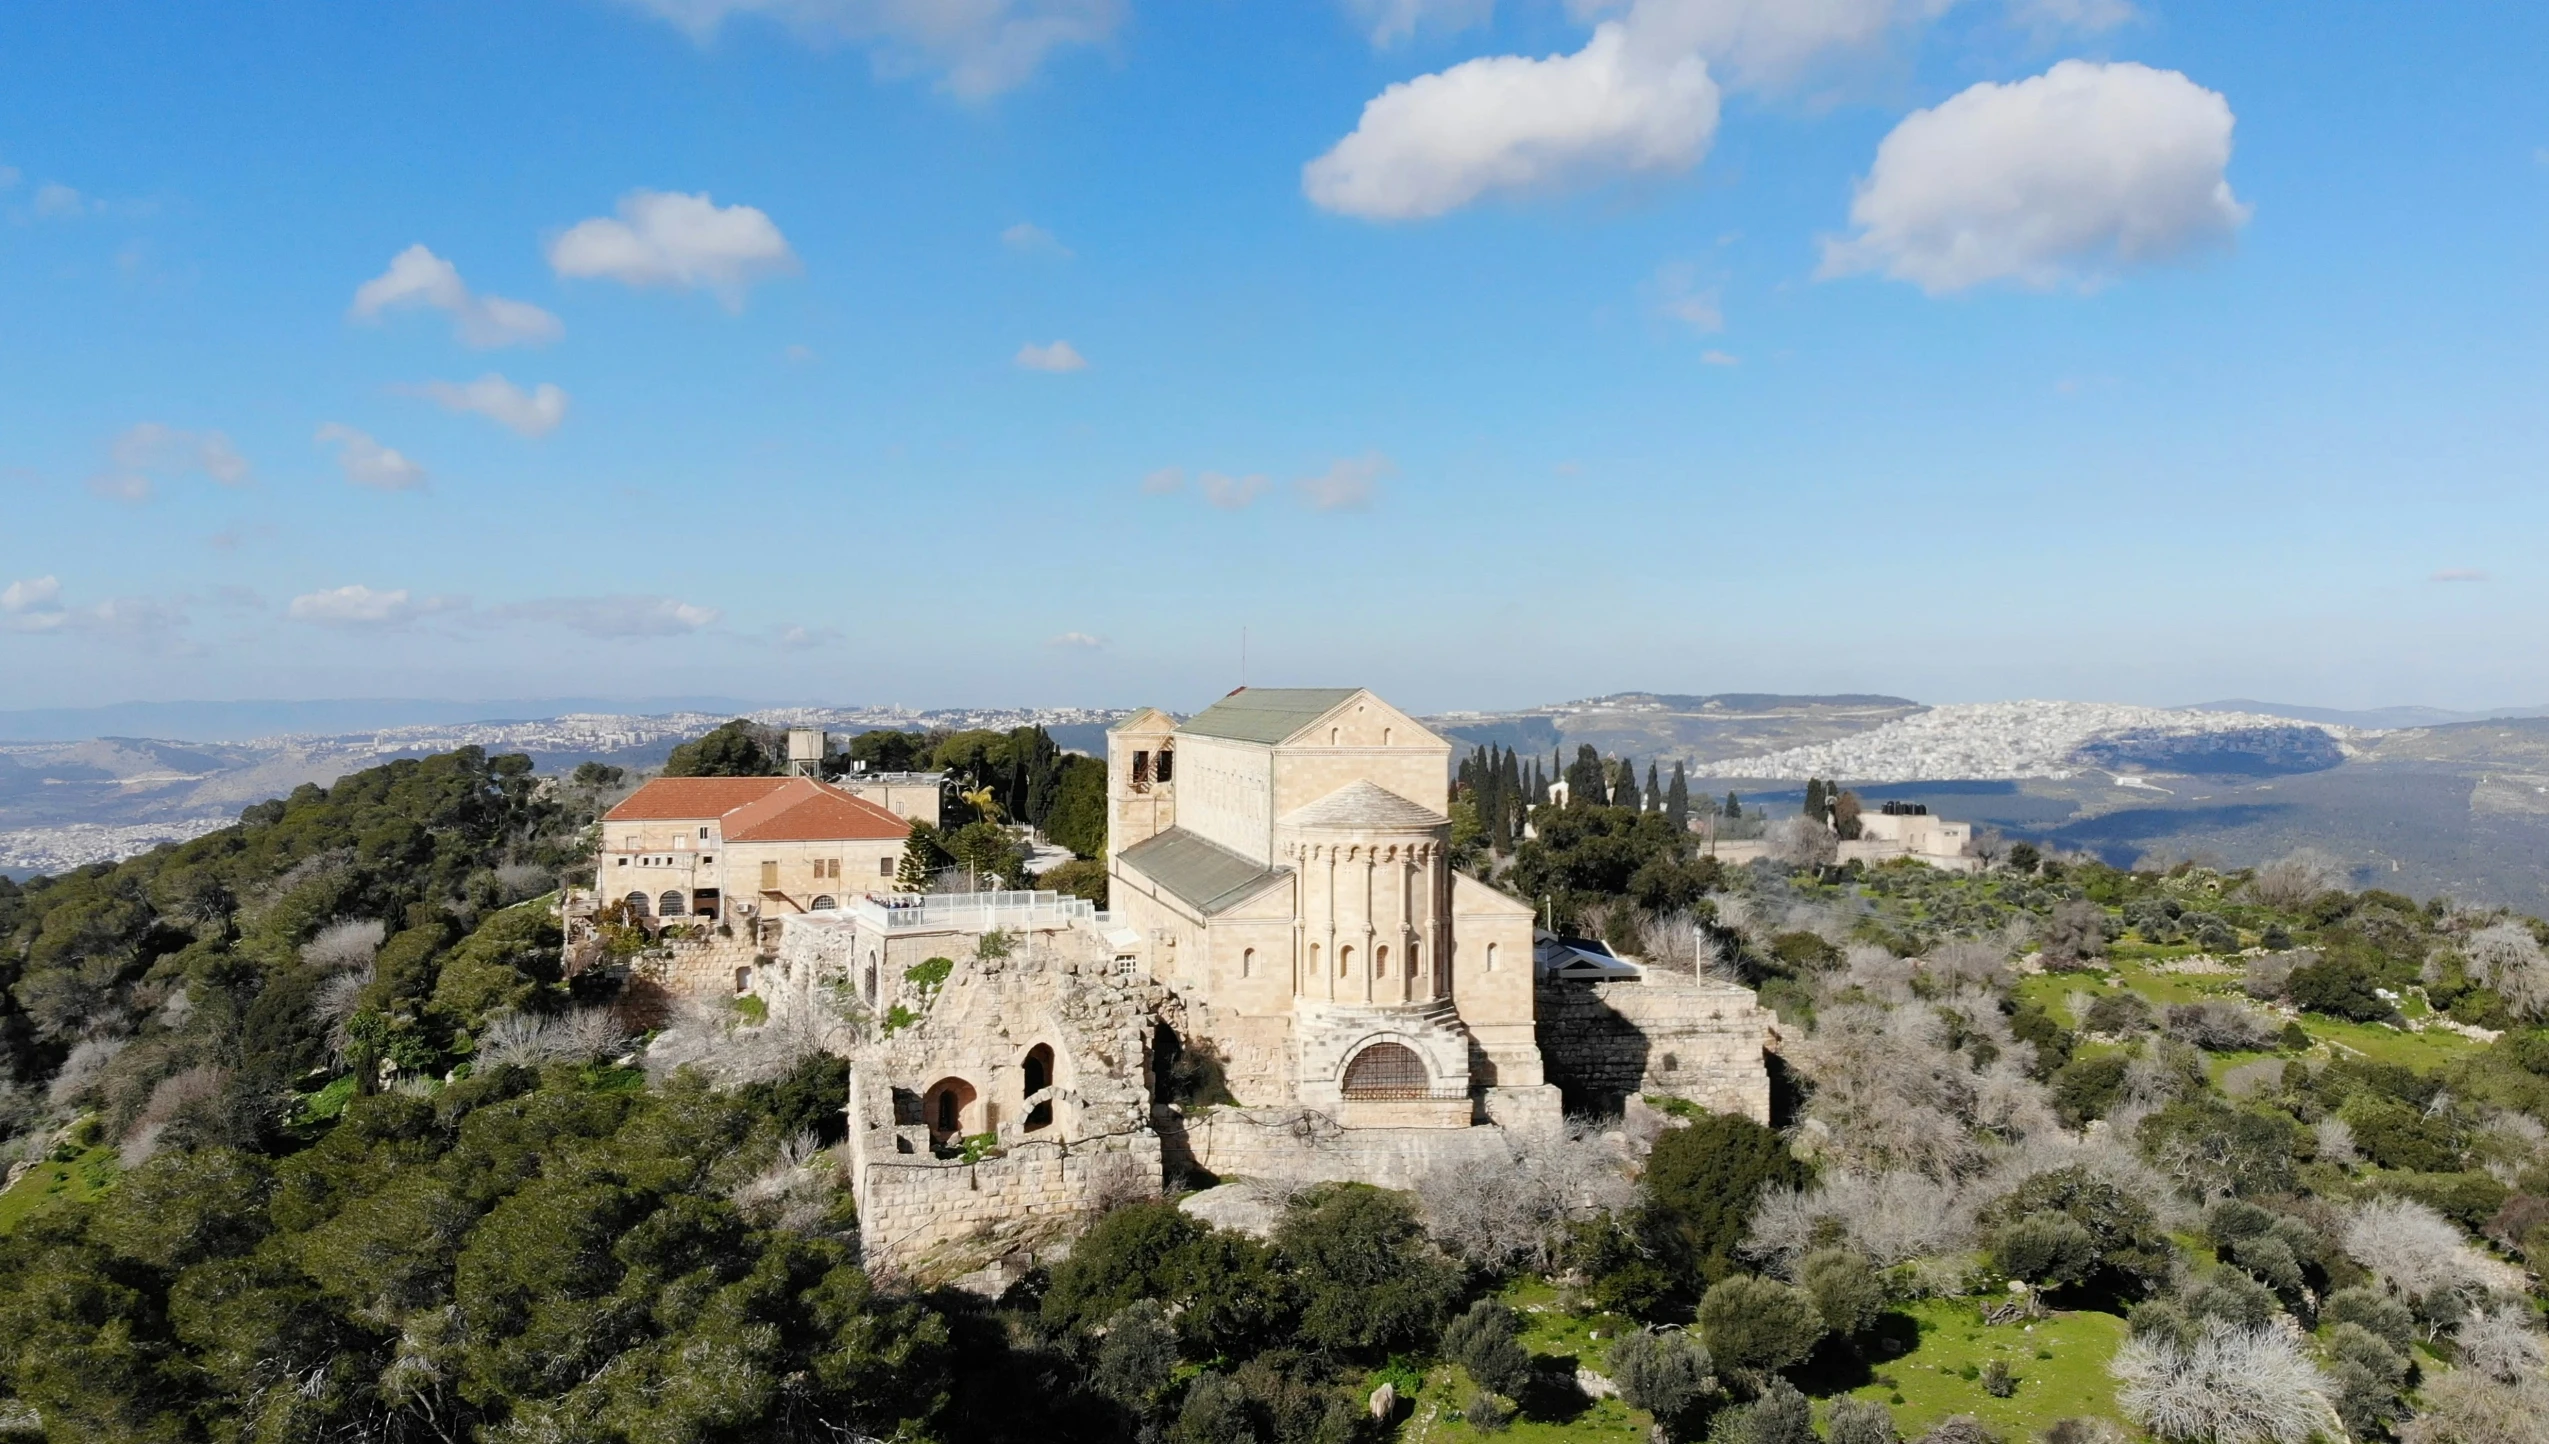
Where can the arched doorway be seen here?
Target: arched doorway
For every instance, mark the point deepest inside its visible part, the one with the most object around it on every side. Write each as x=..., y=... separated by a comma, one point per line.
x=1037, y=1073
x=1386, y=1070
x=948, y=1108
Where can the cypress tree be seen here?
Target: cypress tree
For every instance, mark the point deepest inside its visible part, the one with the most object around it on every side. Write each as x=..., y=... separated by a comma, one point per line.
x=1677, y=800
x=1624, y=792
x=1514, y=797
x=1814, y=805
x=1733, y=808
x=1654, y=791
x=1588, y=781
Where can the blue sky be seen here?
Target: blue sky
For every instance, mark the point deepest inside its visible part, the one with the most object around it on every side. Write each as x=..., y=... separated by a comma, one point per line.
x=1029, y=350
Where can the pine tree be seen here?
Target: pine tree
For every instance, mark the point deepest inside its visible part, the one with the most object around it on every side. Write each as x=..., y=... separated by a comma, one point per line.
x=1677, y=800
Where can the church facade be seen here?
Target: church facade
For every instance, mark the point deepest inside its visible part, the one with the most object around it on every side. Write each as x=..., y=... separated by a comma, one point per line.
x=1281, y=860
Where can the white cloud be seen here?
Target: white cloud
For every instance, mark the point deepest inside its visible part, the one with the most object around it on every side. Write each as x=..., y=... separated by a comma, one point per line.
x=1508, y=123
x=361, y=606
x=418, y=277
x=32, y=604
x=2061, y=179
x=1680, y=297
x=667, y=238
x=1231, y=493
x=618, y=616
x=1057, y=357
x=2452, y=574
x=808, y=639
x=1347, y=485
x=1075, y=642
x=1164, y=481
x=149, y=449
x=536, y=412
x=980, y=47
x=1028, y=239
x=1719, y=358
x=1388, y=22
x=56, y=201
x=368, y=463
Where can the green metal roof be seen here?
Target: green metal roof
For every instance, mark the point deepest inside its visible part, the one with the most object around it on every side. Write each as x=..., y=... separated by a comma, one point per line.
x=1201, y=873
x=1265, y=714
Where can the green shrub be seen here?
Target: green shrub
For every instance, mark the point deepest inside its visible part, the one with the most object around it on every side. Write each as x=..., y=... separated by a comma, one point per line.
x=1758, y=1325
x=1482, y=1342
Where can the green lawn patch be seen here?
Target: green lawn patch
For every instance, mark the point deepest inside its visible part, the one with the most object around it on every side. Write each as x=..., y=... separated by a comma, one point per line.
x=83, y=1176
x=1553, y=1411
x=1931, y=1378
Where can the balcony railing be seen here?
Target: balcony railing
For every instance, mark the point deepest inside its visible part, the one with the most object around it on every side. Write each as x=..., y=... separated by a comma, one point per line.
x=972, y=911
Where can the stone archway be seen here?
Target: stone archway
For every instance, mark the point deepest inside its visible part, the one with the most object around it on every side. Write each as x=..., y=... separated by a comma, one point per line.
x=1386, y=1070
x=947, y=1106
x=1036, y=1076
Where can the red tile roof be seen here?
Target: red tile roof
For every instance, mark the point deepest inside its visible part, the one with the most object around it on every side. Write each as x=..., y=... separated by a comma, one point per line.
x=763, y=809
x=808, y=811
x=684, y=799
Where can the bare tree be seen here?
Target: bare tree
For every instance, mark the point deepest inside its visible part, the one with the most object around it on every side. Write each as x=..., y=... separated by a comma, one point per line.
x=1803, y=842
x=1891, y=1217
x=2506, y=957
x=2466, y=1407
x=1497, y=1212
x=347, y=943
x=2220, y=1026
x=2232, y=1386
x=2501, y=1343
x=1987, y=843
x=2296, y=878
x=2419, y=1254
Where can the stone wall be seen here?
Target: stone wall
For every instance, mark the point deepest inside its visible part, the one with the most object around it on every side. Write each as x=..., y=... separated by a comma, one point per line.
x=1305, y=1145
x=931, y=1220
x=1703, y=1041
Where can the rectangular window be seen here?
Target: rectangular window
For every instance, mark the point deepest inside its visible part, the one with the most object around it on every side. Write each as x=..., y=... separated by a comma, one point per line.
x=885, y=867
x=769, y=877
x=703, y=834
x=1141, y=767
x=623, y=862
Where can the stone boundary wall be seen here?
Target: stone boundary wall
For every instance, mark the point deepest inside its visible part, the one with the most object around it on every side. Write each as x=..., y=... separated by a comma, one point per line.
x=1304, y=1145
x=1603, y=1042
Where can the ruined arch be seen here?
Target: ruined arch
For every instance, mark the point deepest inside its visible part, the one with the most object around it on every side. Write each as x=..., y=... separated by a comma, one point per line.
x=1036, y=1076
x=947, y=1106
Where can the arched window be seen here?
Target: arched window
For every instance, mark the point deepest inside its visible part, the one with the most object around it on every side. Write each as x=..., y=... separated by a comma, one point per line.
x=1314, y=959
x=1038, y=1071
x=637, y=905
x=671, y=904
x=1381, y=961
x=1491, y=957
x=1385, y=1070
x=1345, y=961
x=822, y=903
x=1385, y=736
x=1247, y=962
x=1415, y=955
x=1335, y=735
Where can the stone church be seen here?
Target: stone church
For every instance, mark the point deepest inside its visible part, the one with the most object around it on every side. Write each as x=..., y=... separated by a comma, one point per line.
x=1281, y=899
x=1282, y=859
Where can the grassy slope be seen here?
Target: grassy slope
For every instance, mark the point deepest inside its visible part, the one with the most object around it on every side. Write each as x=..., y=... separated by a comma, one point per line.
x=88, y=1174
x=1929, y=1381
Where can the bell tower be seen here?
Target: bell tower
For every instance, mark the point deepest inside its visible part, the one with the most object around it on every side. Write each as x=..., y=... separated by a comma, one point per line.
x=1141, y=779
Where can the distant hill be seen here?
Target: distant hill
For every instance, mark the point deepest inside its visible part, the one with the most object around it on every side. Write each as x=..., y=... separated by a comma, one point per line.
x=2370, y=719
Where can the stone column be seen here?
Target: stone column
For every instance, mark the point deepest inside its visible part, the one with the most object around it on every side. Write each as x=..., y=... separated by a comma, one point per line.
x=1328, y=965
x=1371, y=920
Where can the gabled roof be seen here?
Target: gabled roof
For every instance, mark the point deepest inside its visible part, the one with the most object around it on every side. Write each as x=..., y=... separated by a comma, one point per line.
x=763, y=809
x=685, y=799
x=1266, y=714
x=1199, y=872
x=1366, y=806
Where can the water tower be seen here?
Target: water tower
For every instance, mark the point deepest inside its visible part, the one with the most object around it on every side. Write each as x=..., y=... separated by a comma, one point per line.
x=805, y=751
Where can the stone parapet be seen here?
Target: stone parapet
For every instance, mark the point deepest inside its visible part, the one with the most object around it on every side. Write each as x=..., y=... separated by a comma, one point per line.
x=1306, y=1145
